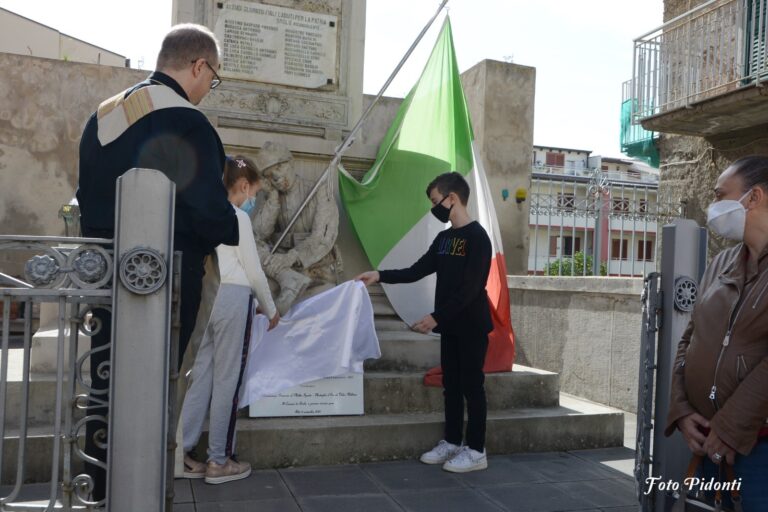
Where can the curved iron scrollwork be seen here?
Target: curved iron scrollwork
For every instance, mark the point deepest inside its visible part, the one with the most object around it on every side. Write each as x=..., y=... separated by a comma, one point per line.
x=83, y=486
x=143, y=270
x=99, y=438
x=103, y=370
x=87, y=323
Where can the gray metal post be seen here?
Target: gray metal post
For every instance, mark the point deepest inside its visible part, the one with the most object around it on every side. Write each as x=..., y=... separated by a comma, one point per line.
x=141, y=326
x=682, y=264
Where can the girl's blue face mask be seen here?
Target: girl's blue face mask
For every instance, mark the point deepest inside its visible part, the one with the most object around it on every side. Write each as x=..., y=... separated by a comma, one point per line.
x=248, y=205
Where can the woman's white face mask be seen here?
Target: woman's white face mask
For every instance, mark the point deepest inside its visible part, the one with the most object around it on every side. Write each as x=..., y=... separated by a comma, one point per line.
x=728, y=217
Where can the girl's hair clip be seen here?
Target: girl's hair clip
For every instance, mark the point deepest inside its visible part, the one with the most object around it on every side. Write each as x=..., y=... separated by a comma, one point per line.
x=240, y=163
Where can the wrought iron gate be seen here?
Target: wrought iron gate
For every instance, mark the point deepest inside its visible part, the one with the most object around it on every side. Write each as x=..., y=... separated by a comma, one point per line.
x=135, y=278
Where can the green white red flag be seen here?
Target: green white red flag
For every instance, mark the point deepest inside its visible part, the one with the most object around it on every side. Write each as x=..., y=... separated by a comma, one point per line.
x=390, y=212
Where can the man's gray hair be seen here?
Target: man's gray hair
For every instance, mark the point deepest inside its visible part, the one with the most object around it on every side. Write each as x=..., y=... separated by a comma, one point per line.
x=185, y=43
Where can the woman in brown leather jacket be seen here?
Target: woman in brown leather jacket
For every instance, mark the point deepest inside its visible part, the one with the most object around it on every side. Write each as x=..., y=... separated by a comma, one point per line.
x=719, y=397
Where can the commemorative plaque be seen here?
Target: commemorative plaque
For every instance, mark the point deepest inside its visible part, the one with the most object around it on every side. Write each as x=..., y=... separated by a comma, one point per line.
x=332, y=396
x=271, y=44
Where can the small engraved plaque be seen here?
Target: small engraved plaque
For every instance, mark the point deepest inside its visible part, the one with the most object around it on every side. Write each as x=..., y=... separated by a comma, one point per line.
x=265, y=43
x=332, y=396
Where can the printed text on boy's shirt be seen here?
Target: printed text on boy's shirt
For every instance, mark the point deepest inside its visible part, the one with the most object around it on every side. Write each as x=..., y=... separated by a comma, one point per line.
x=452, y=247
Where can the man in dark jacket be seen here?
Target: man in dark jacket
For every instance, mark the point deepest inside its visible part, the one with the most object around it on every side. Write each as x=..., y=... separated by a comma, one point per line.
x=155, y=125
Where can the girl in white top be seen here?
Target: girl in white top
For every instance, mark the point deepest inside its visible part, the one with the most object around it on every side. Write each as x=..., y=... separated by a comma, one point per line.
x=220, y=362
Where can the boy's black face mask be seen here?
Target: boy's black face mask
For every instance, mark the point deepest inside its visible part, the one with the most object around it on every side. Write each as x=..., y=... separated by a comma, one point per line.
x=441, y=212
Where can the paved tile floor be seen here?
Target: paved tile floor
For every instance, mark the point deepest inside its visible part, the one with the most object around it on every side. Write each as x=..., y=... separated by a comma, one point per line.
x=589, y=480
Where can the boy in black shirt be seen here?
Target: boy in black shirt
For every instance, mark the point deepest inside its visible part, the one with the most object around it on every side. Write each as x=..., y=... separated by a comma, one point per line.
x=461, y=257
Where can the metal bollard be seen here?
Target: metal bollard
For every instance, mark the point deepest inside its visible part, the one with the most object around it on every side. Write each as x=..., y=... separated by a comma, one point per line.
x=141, y=327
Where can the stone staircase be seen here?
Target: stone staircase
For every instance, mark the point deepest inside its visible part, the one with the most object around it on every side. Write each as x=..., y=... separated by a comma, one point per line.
x=526, y=413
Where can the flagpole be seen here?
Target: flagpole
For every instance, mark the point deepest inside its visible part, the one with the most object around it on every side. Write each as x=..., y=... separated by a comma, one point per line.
x=347, y=142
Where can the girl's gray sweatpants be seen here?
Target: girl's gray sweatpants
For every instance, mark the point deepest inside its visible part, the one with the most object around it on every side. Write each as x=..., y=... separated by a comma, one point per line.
x=218, y=372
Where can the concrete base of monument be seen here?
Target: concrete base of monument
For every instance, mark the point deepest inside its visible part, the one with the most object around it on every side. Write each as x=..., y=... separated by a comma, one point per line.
x=537, y=426
x=45, y=343
x=403, y=418
x=44, y=352
x=280, y=442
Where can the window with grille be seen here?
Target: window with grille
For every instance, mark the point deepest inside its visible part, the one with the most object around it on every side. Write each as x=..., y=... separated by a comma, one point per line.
x=620, y=205
x=569, y=245
x=645, y=250
x=619, y=249
x=566, y=201
x=556, y=159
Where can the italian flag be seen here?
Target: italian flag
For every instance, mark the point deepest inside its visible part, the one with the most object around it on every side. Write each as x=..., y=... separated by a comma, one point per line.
x=390, y=210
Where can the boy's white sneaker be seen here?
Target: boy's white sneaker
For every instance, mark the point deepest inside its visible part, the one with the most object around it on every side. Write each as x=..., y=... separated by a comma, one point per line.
x=466, y=460
x=440, y=453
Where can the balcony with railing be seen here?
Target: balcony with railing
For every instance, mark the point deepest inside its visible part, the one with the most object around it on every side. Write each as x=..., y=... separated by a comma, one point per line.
x=703, y=72
x=636, y=141
x=584, y=174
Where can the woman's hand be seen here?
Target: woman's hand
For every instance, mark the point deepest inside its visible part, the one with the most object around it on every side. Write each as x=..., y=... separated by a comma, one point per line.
x=717, y=450
x=689, y=426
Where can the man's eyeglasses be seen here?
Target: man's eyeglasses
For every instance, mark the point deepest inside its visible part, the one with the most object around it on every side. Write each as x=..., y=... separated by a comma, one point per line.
x=216, y=81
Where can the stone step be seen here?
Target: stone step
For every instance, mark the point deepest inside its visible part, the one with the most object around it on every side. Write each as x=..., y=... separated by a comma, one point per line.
x=41, y=407
x=376, y=290
x=385, y=392
x=280, y=442
x=575, y=424
x=389, y=324
x=395, y=393
x=405, y=351
x=382, y=307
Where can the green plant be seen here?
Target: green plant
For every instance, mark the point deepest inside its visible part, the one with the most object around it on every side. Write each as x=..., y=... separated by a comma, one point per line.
x=574, y=266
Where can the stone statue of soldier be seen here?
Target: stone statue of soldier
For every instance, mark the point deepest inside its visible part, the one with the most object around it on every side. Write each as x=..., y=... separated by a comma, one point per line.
x=307, y=258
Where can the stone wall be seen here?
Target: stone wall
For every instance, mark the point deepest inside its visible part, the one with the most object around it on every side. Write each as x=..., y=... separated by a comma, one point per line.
x=44, y=105
x=587, y=329
x=674, y=8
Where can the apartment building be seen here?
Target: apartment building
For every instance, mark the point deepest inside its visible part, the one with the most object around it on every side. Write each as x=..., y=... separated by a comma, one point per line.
x=593, y=214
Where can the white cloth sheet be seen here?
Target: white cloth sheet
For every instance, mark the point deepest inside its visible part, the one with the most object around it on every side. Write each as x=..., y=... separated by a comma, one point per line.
x=326, y=335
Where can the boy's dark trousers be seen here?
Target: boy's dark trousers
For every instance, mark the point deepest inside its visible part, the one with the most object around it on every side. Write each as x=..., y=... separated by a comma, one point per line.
x=462, y=358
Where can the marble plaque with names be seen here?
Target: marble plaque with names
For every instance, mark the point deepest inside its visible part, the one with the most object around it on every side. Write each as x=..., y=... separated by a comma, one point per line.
x=332, y=396
x=276, y=45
